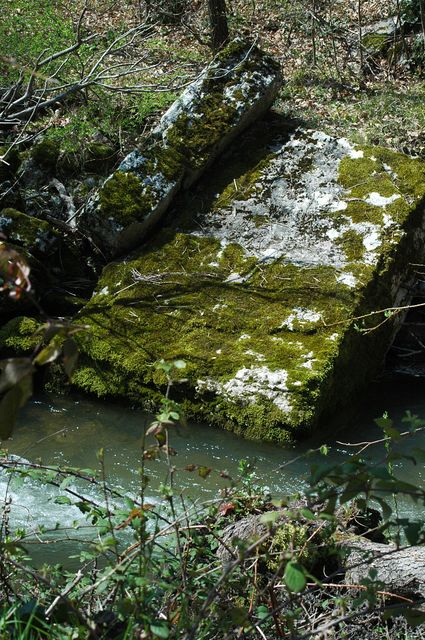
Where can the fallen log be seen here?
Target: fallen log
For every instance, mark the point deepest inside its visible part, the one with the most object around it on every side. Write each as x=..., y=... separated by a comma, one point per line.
x=399, y=570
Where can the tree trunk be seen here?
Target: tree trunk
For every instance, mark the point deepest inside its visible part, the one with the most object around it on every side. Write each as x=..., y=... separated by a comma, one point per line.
x=402, y=571
x=218, y=23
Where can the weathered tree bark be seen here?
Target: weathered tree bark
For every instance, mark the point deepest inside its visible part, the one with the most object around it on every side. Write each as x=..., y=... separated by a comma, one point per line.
x=401, y=571
x=218, y=22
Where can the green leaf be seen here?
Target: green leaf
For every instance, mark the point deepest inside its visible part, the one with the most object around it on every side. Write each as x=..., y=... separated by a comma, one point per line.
x=307, y=514
x=386, y=509
x=294, y=577
x=414, y=617
x=62, y=500
x=385, y=422
x=392, y=432
x=270, y=517
x=262, y=612
x=353, y=488
x=320, y=471
x=84, y=507
x=160, y=631
x=204, y=472
x=413, y=532
x=48, y=354
x=65, y=482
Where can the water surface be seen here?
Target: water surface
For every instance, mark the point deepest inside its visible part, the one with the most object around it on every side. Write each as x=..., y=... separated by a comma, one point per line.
x=70, y=431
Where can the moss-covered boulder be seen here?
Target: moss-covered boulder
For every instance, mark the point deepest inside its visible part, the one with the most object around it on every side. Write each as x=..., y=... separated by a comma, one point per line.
x=238, y=87
x=266, y=283
x=31, y=233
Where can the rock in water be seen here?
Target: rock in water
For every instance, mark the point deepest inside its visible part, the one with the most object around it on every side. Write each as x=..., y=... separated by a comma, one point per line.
x=232, y=92
x=265, y=283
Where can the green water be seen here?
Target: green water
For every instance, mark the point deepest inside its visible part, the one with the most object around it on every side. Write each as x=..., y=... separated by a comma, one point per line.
x=71, y=431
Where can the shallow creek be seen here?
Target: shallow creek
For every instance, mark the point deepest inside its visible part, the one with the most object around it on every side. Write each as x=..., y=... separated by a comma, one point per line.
x=71, y=430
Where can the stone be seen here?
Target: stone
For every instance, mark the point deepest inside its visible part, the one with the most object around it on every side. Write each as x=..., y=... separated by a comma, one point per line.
x=233, y=91
x=266, y=281
x=37, y=236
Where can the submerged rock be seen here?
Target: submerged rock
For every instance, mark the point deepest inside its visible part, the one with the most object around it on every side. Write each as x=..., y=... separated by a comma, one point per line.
x=264, y=284
x=233, y=91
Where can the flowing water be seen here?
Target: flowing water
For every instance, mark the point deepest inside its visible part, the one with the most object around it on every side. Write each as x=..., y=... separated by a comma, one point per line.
x=70, y=431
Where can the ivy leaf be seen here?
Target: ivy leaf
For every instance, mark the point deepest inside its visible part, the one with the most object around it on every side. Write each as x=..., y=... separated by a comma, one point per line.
x=294, y=577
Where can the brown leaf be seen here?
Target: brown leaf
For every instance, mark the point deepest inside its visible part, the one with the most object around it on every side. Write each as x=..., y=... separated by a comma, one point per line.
x=226, y=507
x=14, y=272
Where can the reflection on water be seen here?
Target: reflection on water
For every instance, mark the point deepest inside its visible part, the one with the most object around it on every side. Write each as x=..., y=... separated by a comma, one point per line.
x=70, y=431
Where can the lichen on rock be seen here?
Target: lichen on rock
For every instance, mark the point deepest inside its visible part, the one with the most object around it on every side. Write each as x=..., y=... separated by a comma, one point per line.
x=230, y=93
x=258, y=282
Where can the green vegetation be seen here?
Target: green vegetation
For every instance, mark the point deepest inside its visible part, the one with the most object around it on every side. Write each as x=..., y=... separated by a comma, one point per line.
x=189, y=313
x=123, y=198
x=30, y=29
x=186, y=571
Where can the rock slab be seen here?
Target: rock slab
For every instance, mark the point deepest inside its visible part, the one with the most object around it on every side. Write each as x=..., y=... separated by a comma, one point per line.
x=231, y=93
x=266, y=282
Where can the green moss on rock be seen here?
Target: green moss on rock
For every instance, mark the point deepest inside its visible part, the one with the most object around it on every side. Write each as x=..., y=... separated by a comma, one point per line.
x=99, y=157
x=46, y=153
x=19, y=336
x=26, y=231
x=273, y=343
x=193, y=139
x=124, y=199
x=376, y=43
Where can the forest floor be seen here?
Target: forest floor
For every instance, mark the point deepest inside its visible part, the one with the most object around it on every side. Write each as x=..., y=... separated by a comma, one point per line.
x=317, y=47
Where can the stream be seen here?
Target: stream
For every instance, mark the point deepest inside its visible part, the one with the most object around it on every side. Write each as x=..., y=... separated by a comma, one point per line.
x=70, y=431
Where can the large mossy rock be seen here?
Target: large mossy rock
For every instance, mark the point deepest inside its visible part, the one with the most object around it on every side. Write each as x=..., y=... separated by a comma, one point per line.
x=263, y=283
x=231, y=93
